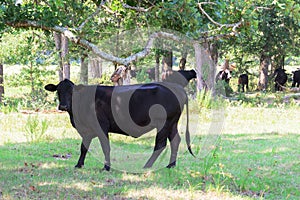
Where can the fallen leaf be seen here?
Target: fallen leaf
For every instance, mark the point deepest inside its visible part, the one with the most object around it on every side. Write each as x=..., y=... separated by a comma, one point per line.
x=32, y=188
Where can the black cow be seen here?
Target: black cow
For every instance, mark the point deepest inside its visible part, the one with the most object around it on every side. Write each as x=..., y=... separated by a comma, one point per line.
x=224, y=75
x=181, y=77
x=151, y=73
x=243, y=81
x=296, y=78
x=131, y=110
x=280, y=79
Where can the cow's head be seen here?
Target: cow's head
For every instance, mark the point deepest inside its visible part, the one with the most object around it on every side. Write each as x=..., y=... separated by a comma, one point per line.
x=191, y=74
x=225, y=75
x=118, y=75
x=64, y=91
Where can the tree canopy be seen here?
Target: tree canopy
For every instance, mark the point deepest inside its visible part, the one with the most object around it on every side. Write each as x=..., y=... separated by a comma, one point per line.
x=239, y=28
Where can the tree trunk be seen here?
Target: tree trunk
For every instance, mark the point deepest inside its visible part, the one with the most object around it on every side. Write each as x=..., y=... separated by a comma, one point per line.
x=182, y=62
x=64, y=56
x=263, y=72
x=1, y=83
x=57, y=40
x=211, y=56
x=95, y=67
x=157, y=67
x=214, y=53
x=83, y=69
x=168, y=60
x=206, y=62
x=199, y=65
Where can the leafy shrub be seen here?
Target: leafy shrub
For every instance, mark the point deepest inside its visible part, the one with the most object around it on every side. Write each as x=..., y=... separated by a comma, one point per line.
x=33, y=78
x=35, y=128
x=142, y=76
x=104, y=80
x=207, y=100
x=223, y=88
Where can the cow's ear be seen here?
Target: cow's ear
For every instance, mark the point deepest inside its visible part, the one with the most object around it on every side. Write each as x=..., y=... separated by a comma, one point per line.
x=51, y=87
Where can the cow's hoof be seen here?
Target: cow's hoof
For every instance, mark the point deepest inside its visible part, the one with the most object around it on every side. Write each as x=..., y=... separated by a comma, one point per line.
x=171, y=165
x=106, y=168
x=78, y=166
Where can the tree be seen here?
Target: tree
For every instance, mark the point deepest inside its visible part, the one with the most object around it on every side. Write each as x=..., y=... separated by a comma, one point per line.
x=95, y=64
x=62, y=47
x=83, y=69
x=269, y=35
x=86, y=30
x=1, y=83
x=28, y=48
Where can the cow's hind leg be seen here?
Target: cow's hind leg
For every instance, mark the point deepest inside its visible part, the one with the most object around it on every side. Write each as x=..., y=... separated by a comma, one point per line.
x=160, y=145
x=104, y=141
x=174, y=139
x=83, y=150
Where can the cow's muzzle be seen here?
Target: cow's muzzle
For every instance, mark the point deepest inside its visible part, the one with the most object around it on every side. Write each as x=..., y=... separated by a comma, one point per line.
x=63, y=107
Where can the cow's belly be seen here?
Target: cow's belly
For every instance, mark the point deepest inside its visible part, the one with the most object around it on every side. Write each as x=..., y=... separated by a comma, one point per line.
x=133, y=131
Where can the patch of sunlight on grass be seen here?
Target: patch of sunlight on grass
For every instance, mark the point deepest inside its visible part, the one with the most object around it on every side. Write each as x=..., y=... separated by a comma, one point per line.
x=277, y=150
x=12, y=137
x=50, y=165
x=161, y=193
x=46, y=184
x=83, y=186
x=13, y=127
x=135, y=178
x=261, y=120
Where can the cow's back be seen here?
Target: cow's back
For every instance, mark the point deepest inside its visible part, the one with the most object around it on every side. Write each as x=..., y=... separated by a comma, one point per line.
x=137, y=109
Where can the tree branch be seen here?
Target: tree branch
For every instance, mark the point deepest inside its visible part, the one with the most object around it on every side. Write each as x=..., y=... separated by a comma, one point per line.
x=234, y=26
x=139, y=9
x=95, y=49
x=91, y=16
x=107, y=9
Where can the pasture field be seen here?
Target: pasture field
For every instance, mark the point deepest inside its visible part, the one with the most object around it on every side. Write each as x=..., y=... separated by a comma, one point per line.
x=241, y=153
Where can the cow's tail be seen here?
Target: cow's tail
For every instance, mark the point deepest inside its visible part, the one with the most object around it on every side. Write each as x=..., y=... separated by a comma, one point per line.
x=187, y=133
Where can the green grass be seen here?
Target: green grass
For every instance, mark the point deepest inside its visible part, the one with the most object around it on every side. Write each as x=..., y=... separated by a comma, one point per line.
x=255, y=156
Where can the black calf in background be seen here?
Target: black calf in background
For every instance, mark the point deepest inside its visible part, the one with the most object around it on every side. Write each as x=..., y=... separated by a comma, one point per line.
x=243, y=81
x=280, y=79
x=296, y=78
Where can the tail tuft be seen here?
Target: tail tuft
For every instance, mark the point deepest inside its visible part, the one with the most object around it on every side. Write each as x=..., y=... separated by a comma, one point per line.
x=190, y=150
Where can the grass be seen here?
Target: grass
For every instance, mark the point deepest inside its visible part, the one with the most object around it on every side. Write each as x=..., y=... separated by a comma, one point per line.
x=255, y=155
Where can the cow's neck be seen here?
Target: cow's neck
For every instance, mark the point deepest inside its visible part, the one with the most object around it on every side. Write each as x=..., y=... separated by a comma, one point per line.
x=72, y=118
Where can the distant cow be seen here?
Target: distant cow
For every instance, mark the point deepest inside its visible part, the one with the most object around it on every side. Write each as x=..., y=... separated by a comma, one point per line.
x=224, y=75
x=131, y=110
x=296, y=78
x=280, y=79
x=243, y=81
x=151, y=73
x=182, y=77
x=121, y=76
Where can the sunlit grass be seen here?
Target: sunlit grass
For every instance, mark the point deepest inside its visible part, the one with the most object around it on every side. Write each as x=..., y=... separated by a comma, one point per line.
x=254, y=154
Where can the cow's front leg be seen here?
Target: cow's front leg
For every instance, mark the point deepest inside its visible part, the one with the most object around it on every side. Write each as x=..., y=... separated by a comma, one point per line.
x=174, y=139
x=104, y=141
x=83, y=150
